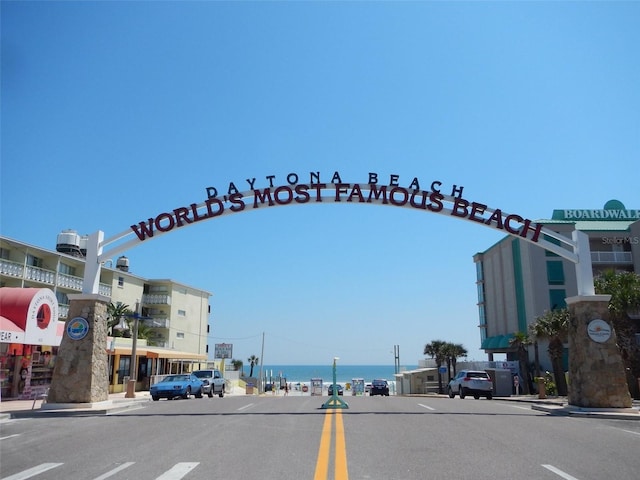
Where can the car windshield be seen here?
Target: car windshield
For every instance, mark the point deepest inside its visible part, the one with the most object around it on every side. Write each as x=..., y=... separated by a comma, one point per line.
x=176, y=378
x=477, y=375
x=203, y=374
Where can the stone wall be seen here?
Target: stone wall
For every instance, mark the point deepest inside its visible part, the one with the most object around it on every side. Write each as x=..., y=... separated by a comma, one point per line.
x=80, y=373
x=596, y=371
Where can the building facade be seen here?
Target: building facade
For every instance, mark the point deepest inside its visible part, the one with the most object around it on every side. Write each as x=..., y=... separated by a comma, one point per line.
x=518, y=281
x=174, y=316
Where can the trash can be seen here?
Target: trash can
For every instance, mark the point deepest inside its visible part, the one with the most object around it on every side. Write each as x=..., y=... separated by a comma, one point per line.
x=249, y=389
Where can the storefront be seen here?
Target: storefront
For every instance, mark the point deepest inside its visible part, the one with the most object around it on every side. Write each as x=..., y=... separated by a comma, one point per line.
x=30, y=334
x=151, y=362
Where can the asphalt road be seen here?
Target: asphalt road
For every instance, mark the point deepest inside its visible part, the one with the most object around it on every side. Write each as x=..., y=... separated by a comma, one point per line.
x=288, y=438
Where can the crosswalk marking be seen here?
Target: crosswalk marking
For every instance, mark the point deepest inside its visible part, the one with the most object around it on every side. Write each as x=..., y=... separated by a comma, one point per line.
x=177, y=472
x=32, y=472
x=115, y=470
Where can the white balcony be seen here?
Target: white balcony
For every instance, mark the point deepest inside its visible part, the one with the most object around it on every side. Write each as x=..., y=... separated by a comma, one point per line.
x=611, y=257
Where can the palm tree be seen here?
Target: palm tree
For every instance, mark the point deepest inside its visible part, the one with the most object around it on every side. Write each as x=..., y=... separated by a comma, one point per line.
x=519, y=341
x=436, y=349
x=114, y=314
x=238, y=365
x=457, y=350
x=554, y=326
x=624, y=288
x=253, y=361
x=145, y=332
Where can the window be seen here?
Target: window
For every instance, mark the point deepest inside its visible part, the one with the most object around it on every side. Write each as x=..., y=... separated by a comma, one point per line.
x=123, y=368
x=551, y=240
x=62, y=298
x=4, y=254
x=179, y=334
x=34, y=261
x=121, y=281
x=67, y=269
x=555, y=273
x=182, y=313
x=557, y=299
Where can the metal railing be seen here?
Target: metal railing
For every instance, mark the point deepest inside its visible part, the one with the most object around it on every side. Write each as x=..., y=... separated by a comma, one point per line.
x=611, y=257
x=47, y=277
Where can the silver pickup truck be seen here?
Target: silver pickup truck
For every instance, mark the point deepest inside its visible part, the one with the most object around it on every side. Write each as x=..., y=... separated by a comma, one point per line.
x=212, y=382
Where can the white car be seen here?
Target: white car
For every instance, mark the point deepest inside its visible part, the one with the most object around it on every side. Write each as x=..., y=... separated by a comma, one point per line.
x=471, y=382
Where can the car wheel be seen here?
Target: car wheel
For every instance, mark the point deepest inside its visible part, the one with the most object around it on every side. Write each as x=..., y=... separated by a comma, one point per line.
x=199, y=394
x=451, y=394
x=221, y=393
x=476, y=396
x=187, y=394
x=489, y=396
x=155, y=399
x=210, y=393
x=462, y=392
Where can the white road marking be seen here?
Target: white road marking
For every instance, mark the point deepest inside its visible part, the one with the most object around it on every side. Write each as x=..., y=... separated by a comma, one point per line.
x=559, y=472
x=32, y=472
x=178, y=471
x=115, y=470
x=10, y=436
x=246, y=406
x=629, y=431
x=427, y=407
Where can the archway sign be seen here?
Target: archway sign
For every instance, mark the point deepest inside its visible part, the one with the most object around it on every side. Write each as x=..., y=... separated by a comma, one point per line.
x=594, y=383
x=293, y=189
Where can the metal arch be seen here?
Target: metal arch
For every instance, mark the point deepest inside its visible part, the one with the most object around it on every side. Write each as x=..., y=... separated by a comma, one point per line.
x=575, y=250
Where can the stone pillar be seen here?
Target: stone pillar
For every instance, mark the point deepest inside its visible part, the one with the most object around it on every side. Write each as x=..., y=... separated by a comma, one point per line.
x=80, y=373
x=596, y=371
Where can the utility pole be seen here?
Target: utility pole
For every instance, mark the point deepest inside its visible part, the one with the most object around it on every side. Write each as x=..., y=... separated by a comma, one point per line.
x=131, y=385
x=260, y=385
x=396, y=357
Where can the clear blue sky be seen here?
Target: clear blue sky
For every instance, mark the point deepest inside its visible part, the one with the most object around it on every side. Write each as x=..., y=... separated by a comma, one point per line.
x=113, y=112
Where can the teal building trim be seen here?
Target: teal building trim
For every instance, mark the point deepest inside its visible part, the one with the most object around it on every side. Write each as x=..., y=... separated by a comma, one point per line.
x=519, y=285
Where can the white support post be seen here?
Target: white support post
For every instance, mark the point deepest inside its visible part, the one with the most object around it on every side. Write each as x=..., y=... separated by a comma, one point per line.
x=584, y=268
x=92, y=267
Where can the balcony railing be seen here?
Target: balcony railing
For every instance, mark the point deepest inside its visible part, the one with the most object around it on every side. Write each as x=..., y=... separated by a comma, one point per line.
x=156, y=299
x=48, y=277
x=611, y=257
x=156, y=322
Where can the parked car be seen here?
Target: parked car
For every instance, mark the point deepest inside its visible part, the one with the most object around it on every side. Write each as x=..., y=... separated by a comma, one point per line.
x=339, y=389
x=379, y=387
x=471, y=382
x=172, y=386
x=212, y=380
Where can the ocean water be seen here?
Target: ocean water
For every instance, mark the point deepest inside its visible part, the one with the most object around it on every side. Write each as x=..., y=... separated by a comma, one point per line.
x=344, y=373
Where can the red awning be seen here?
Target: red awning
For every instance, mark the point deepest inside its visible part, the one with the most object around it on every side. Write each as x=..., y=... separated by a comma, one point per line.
x=10, y=332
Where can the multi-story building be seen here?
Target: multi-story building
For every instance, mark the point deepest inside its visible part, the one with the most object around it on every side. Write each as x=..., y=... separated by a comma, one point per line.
x=174, y=315
x=518, y=281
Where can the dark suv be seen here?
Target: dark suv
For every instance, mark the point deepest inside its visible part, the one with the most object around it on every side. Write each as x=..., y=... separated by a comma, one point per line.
x=379, y=387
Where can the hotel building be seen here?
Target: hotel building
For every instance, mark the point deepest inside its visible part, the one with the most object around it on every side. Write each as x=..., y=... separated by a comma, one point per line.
x=174, y=315
x=518, y=281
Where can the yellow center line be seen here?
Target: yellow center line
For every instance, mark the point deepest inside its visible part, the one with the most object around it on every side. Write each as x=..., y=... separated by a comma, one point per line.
x=322, y=463
x=341, y=449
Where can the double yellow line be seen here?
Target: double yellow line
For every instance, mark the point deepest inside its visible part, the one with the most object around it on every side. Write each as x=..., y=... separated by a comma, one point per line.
x=340, y=460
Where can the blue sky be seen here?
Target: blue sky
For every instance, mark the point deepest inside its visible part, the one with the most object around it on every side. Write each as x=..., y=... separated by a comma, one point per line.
x=113, y=112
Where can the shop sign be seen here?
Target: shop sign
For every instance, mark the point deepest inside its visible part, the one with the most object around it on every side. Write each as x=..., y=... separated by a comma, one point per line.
x=223, y=350
x=77, y=328
x=599, y=330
